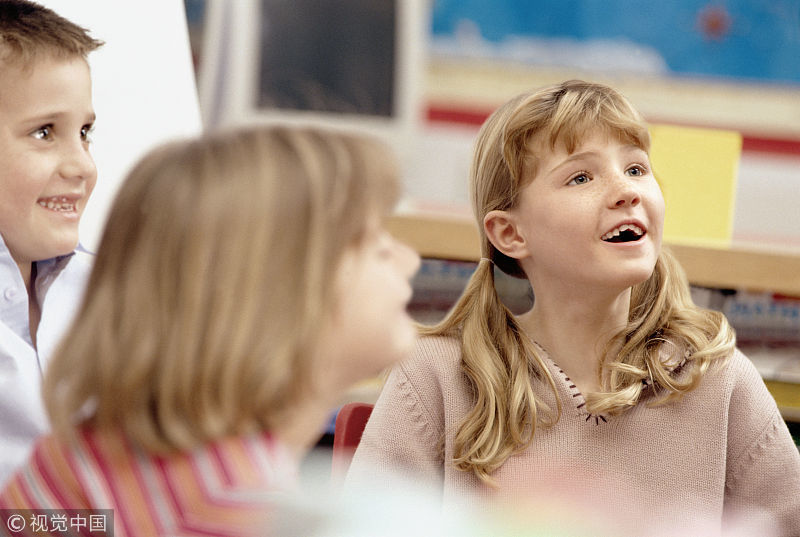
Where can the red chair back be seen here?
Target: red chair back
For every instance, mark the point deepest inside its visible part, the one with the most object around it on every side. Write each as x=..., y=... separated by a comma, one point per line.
x=350, y=423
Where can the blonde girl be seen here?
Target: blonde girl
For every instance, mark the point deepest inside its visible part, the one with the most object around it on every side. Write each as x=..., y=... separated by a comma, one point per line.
x=243, y=281
x=614, y=391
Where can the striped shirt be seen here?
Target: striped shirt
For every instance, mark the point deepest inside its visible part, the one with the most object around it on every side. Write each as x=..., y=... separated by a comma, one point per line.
x=221, y=489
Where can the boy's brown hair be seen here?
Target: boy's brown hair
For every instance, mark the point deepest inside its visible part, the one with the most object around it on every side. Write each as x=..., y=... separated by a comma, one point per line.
x=29, y=30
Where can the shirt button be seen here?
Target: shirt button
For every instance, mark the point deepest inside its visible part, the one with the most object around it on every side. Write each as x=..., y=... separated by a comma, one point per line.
x=11, y=293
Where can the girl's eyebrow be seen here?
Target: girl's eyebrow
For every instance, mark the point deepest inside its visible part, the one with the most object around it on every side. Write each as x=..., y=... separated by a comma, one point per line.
x=574, y=157
x=633, y=147
x=585, y=155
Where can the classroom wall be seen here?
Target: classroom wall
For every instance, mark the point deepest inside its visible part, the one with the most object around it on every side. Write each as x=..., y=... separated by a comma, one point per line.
x=145, y=93
x=435, y=155
x=463, y=91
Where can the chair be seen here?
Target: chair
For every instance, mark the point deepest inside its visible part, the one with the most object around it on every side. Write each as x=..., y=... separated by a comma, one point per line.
x=350, y=423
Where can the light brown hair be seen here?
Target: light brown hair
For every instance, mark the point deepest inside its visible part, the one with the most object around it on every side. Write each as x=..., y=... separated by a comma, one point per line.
x=499, y=360
x=29, y=31
x=212, y=277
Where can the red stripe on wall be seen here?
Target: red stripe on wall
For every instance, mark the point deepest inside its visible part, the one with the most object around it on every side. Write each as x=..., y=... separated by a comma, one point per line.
x=770, y=145
x=437, y=114
x=750, y=143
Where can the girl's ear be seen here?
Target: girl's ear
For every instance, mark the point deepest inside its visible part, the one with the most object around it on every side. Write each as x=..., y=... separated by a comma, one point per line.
x=501, y=230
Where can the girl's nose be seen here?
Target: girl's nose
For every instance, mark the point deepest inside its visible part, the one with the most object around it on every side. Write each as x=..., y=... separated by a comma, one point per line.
x=627, y=198
x=408, y=259
x=624, y=193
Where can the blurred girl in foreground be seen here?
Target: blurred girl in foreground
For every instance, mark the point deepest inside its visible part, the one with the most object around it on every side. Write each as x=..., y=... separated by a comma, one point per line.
x=243, y=282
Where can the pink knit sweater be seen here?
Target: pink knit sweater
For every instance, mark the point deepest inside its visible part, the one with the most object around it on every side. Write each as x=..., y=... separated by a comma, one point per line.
x=720, y=458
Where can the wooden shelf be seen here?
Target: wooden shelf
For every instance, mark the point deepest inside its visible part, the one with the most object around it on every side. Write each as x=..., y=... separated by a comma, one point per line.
x=450, y=237
x=740, y=268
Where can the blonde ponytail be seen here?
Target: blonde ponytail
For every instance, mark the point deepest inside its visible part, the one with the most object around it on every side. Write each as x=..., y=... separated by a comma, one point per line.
x=499, y=361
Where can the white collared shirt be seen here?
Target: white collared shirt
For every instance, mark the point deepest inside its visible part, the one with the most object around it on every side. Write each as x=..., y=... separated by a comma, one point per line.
x=60, y=283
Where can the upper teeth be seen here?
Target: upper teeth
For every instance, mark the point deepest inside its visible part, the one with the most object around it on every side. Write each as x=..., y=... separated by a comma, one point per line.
x=57, y=203
x=624, y=227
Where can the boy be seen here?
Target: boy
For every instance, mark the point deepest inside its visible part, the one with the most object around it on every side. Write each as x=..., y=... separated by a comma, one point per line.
x=46, y=178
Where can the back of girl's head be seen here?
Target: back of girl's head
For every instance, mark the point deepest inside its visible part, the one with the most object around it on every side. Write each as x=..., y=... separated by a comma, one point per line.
x=508, y=147
x=29, y=31
x=214, y=270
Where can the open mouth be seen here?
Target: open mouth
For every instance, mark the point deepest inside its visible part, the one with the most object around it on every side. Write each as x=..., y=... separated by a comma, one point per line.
x=624, y=233
x=60, y=204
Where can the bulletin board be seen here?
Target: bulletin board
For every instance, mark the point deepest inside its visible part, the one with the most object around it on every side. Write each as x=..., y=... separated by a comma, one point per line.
x=732, y=64
x=736, y=40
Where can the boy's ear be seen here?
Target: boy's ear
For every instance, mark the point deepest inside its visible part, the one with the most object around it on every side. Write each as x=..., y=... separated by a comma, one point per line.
x=501, y=230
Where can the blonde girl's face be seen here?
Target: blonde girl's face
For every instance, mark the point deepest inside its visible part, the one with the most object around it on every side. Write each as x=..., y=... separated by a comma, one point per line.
x=370, y=328
x=591, y=217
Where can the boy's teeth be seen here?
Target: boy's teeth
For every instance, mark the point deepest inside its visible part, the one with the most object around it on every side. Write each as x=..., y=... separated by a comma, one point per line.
x=59, y=204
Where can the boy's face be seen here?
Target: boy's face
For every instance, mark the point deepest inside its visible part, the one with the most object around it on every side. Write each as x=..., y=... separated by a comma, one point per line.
x=46, y=171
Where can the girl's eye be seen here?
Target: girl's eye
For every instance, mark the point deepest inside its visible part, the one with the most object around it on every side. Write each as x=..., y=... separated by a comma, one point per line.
x=86, y=133
x=580, y=179
x=43, y=133
x=636, y=171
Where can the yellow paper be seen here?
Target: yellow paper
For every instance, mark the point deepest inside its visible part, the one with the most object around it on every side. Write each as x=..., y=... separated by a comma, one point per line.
x=697, y=170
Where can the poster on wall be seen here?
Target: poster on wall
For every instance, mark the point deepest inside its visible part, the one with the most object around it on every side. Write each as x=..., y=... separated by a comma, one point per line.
x=723, y=63
x=734, y=40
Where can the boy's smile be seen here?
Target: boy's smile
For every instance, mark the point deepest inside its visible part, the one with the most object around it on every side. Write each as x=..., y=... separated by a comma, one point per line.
x=48, y=174
x=59, y=204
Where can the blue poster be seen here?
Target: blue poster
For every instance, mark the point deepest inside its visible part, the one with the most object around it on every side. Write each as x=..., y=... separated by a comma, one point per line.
x=748, y=40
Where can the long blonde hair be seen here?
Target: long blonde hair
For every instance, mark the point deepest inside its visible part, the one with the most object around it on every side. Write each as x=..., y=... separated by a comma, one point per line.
x=499, y=361
x=214, y=271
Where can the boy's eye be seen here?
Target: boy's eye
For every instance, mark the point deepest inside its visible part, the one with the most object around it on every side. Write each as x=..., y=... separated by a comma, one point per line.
x=86, y=133
x=580, y=179
x=43, y=133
